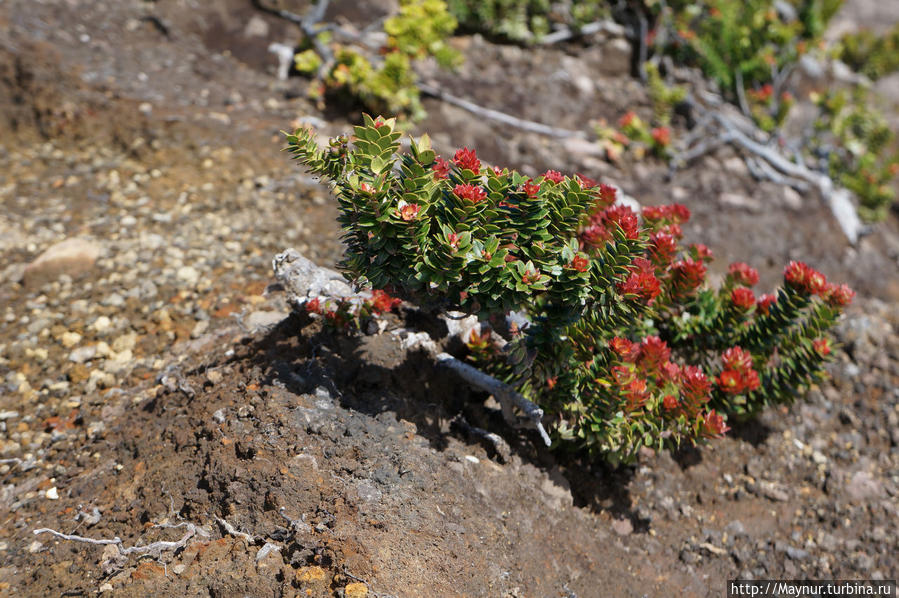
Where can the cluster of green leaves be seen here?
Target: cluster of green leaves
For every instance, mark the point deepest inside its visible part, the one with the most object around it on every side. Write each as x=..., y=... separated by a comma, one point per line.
x=524, y=21
x=627, y=346
x=734, y=40
x=872, y=55
x=861, y=150
x=387, y=83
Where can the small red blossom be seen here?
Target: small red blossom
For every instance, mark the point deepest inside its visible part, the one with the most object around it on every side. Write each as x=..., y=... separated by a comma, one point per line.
x=686, y=276
x=410, y=211
x=553, y=176
x=472, y=193
x=662, y=248
x=453, y=240
x=625, y=349
x=594, y=236
x=440, y=168
x=713, y=425
x=624, y=217
x=627, y=120
x=821, y=346
x=313, y=306
x=654, y=353
x=657, y=217
x=366, y=188
x=381, y=302
x=765, y=302
x=743, y=273
x=379, y=123
x=551, y=382
x=607, y=195
x=737, y=358
x=701, y=252
x=661, y=136
x=530, y=276
x=641, y=282
x=670, y=403
x=531, y=189
x=586, y=182
x=635, y=393
x=742, y=298
x=498, y=171
x=580, y=263
x=467, y=159
x=800, y=276
x=729, y=381
x=695, y=386
x=838, y=296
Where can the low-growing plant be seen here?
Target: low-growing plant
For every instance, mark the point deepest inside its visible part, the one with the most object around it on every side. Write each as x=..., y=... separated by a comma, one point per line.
x=386, y=81
x=635, y=137
x=872, y=55
x=860, y=149
x=524, y=20
x=626, y=344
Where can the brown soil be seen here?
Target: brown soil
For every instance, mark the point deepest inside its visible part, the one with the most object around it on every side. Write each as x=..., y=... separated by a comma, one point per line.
x=196, y=412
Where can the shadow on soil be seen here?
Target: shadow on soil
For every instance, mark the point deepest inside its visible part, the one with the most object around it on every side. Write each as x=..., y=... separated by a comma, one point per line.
x=302, y=356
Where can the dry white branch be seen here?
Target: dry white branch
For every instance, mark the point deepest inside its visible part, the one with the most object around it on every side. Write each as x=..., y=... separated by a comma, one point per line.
x=231, y=530
x=566, y=33
x=501, y=117
x=768, y=161
x=153, y=548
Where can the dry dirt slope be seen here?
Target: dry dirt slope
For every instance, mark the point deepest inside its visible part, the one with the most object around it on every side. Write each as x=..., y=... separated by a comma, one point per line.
x=151, y=390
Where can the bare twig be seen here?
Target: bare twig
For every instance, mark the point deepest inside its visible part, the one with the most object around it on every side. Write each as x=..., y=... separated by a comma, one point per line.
x=503, y=393
x=230, y=529
x=500, y=446
x=566, y=33
x=298, y=525
x=761, y=170
x=154, y=548
x=741, y=92
x=502, y=117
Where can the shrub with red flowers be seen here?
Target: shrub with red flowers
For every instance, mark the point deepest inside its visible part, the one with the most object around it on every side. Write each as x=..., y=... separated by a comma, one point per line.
x=625, y=343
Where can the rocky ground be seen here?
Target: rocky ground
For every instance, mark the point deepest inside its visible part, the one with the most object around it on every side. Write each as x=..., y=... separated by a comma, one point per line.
x=149, y=378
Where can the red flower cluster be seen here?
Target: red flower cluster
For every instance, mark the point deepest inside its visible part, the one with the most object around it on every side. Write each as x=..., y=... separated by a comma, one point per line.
x=657, y=216
x=742, y=298
x=838, y=296
x=628, y=119
x=686, y=276
x=800, y=276
x=765, y=302
x=701, y=252
x=409, y=211
x=601, y=225
x=625, y=349
x=713, y=425
x=580, y=263
x=642, y=281
x=453, y=240
x=821, y=346
x=695, y=387
x=554, y=176
x=314, y=305
x=661, y=136
x=472, y=193
x=467, y=159
x=738, y=376
x=531, y=189
x=662, y=248
x=606, y=196
x=441, y=168
x=382, y=302
x=743, y=273
x=654, y=354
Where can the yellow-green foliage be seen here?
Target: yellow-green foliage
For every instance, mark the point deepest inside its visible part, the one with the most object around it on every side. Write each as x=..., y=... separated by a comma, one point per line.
x=860, y=157
x=524, y=20
x=421, y=29
x=664, y=97
x=869, y=54
x=388, y=83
